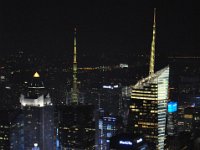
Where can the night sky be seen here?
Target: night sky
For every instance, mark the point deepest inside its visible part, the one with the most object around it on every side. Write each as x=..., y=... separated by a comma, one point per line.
x=102, y=27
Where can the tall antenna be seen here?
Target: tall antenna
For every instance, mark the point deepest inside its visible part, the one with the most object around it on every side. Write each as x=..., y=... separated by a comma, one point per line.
x=152, y=57
x=74, y=90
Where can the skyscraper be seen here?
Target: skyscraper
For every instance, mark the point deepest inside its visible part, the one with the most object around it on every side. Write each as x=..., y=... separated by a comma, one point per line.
x=34, y=125
x=105, y=129
x=4, y=129
x=148, y=108
x=76, y=128
x=75, y=122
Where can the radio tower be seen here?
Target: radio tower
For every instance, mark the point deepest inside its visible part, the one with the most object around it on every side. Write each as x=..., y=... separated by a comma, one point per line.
x=74, y=98
x=152, y=57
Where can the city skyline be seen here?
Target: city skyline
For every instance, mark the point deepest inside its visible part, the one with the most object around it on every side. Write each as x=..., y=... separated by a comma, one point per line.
x=102, y=28
x=94, y=75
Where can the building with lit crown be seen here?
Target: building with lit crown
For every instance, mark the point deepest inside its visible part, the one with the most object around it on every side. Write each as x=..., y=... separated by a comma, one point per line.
x=33, y=127
x=148, y=108
x=35, y=94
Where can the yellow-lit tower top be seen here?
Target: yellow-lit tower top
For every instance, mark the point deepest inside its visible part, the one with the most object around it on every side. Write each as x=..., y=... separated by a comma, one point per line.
x=36, y=75
x=152, y=57
x=74, y=98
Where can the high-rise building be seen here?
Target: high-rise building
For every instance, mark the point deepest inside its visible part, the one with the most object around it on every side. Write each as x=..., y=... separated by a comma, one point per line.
x=4, y=129
x=185, y=80
x=106, y=127
x=75, y=127
x=34, y=125
x=75, y=124
x=148, y=106
x=172, y=118
x=74, y=96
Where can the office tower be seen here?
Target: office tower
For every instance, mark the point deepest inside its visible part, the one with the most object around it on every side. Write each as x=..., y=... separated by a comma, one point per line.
x=98, y=127
x=189, y=118
x=171, y=118
x=111, y=99
x=74, y=96
x=36, y=94
x=106, y=127
x=180, y=120
x=4, y=129
x=185, y=80
x=34, y=124
x=126, y=96
x=75, y=126
x=197, y=118
x=148, y=108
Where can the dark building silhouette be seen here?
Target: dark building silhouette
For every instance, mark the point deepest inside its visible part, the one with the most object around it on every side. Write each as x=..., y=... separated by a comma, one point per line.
x=76, y=126
x=4, y=129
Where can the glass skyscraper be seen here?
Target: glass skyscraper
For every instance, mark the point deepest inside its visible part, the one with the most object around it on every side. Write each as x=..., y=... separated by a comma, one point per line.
x=148, y=108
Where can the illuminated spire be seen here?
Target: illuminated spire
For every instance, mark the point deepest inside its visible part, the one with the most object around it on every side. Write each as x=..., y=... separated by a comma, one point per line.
x=36, y=75
x=74, y=90
x=74, y=46
x=152, y=57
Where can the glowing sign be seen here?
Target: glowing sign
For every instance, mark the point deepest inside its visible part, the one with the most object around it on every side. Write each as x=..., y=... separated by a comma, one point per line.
x=116, y=86
x=110, y=86
x=139, y=140
x=125, y=143
x=172, y=107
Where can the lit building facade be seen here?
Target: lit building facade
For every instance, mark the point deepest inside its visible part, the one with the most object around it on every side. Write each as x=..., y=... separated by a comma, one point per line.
x=36, y=95
x=34, y=124
x=189, y=118
x=75, y=127
x=148, y=108
x=4, y=130
x=172, y=118
x=105, y=129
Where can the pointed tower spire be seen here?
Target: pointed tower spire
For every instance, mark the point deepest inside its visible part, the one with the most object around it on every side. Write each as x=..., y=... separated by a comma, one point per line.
x=152, y=57
x=74, y=62
x=74, y=89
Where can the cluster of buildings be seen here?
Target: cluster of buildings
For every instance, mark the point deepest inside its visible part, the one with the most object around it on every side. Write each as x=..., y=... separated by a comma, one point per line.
x=150, y=114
